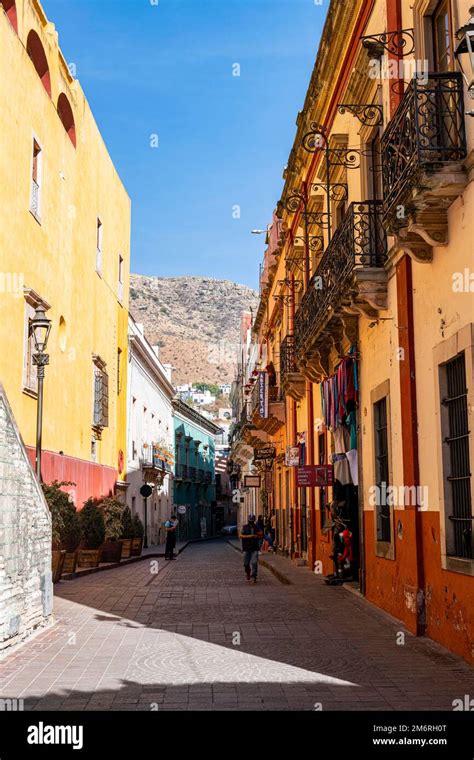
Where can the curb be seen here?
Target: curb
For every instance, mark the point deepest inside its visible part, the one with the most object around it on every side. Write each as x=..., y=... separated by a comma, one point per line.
x=268, y=565
x=114, y=565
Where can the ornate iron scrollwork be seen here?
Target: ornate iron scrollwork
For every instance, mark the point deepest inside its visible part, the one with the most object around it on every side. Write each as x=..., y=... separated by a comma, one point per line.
x=338, y=192
x=369, y=114
x=400, y=42
x=359, y=241
x=427, y=130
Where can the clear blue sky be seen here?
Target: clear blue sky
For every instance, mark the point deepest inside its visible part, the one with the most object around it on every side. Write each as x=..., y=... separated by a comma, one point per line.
x=166, y=69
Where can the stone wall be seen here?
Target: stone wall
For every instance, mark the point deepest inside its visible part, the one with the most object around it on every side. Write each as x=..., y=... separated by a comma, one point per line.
x=26, y=590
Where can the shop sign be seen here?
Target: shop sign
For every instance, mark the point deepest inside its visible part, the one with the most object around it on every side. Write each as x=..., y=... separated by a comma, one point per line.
x=264, y=452
x=269, y=481
x=292, y=457
x=263, y=395
x=314, y=476
x=252, y=481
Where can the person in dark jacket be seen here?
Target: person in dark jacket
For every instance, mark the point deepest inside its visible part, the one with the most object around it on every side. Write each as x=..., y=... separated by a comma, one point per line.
x=250, y=537
x=170, y=527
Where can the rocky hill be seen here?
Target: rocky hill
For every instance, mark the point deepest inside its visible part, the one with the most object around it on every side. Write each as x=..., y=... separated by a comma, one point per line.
x=194, y=320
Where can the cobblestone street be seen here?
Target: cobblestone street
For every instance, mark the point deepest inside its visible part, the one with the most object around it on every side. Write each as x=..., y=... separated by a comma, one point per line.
x=195, y=636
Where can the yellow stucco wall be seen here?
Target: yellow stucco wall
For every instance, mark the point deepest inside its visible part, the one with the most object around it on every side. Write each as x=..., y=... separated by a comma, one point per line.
x=56, y=258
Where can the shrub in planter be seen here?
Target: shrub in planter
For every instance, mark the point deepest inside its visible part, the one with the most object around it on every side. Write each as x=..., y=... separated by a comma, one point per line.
x=60, y=507
x=58, y=501
x=127, y=533
x=93, y=533
x=138, y=533
x=71, y=535
x=111, y=549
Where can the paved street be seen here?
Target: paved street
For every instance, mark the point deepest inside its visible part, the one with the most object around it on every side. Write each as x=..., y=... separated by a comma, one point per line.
x=195, y=636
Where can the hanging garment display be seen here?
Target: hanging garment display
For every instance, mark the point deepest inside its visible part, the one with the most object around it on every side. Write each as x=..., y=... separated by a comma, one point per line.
x=353, y=461
x=339, y=393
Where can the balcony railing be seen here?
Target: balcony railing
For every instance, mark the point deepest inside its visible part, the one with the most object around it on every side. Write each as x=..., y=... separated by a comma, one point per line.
x=288, y=356
x=426, y=133
x=359, y=242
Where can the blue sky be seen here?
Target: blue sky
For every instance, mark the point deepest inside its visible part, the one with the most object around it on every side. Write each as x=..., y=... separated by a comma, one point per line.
x=223, y=140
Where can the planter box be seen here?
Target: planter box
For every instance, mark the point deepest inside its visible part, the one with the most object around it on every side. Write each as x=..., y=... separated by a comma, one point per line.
x=111, y=551
x=70, y=561
x=126, y=547
x=137, y=545
x=88, y=557
x=57, y=564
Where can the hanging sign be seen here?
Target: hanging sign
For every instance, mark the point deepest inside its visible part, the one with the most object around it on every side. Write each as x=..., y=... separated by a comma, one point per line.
x=264, y=452
x=292, y=456
x=269, y=481
x=314, y=476
x=252, y=481
x=263, y=395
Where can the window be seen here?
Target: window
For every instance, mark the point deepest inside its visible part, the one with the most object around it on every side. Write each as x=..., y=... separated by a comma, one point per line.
x=98, y=253
x=35, y=50
x=457, y=471
x=119, y=368
x=67, y=117
x=442, y=37
x=120, y=279
x=36, y=180
x=101, y=395
x=134, y=429
x=30, y=379
x=9, y=6
x=383, y=512
x=322, y=490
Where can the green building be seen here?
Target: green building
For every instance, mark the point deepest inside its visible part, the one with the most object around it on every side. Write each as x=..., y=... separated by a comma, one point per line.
x=194, y=475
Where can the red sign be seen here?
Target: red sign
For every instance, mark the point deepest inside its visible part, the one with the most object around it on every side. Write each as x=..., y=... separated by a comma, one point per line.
x=314, y=476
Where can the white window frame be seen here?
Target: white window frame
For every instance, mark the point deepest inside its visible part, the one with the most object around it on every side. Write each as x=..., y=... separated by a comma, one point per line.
x=36, y=207
x=99, y=234
x=29, y=373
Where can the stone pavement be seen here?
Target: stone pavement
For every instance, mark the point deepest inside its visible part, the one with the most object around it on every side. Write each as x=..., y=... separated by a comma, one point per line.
x=196, y=636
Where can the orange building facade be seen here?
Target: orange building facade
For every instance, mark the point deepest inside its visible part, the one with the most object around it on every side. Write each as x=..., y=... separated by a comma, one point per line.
x=359, y=375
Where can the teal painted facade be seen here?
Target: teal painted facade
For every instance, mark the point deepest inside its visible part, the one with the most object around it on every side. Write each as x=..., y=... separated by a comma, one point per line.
x=194, y=472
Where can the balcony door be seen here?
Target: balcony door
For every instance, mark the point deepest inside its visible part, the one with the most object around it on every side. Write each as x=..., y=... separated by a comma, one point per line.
x=442, y=30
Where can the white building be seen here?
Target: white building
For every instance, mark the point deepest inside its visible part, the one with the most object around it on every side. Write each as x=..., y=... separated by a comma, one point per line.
x=150, y=433
x=225, y=389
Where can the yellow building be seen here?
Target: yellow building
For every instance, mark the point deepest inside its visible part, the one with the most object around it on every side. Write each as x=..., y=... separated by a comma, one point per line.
x=366, y=317
x=64, y=244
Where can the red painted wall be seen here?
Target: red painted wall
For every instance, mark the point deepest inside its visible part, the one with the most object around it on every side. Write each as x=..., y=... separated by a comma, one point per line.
x=449, y=596
x=91, y=479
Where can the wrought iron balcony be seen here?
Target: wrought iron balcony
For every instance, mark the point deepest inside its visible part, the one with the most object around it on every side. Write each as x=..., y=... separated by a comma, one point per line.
x=292, y=382
x=422, y=150
x=350, y=277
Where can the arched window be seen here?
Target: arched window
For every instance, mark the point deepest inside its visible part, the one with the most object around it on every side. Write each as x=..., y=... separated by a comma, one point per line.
x=9, y=7
x=67, y=117
x=36, y=52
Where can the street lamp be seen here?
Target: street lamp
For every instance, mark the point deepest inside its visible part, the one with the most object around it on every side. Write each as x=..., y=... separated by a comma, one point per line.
x=40, y=327
x=465, y=35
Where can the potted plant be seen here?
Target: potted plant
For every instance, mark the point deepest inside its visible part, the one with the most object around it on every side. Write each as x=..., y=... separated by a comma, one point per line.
x=138, y=533
x=93, y=533
x=70, y=537
x=58, y=502
x=111, y=549
x=127, y=533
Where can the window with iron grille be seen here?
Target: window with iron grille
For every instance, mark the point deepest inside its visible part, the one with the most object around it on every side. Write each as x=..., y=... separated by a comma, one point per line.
x=383, y=513
x=457, y=471
x=101, y=396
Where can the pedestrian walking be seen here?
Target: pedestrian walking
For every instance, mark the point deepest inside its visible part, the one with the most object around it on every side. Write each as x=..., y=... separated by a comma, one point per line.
x=251, y=536
x=170, y=527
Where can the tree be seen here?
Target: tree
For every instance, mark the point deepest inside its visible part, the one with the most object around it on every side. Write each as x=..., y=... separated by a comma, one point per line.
x=212, y=387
